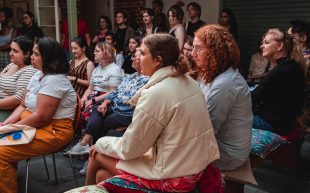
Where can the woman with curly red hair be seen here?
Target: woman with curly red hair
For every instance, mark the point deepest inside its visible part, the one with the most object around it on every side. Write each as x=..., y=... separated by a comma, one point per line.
x=228, y=98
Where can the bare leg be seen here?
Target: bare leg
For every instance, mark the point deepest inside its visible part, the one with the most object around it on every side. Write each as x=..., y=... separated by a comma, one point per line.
x=102, y=175
x=86, y=139
x=102, y=166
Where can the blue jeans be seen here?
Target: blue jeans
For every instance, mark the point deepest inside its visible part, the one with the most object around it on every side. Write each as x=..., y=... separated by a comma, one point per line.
x=98, y=125
x=260, y=123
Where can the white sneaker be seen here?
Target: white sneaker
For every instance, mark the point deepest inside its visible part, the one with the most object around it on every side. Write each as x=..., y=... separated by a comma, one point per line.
x=83, y=171
x=79, y=149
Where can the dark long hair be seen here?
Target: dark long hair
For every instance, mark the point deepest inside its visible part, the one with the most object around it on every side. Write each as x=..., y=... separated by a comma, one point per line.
x=232, y=22
x=81, y=42
x=107, y=19
x=26, y=45
x=53, y=56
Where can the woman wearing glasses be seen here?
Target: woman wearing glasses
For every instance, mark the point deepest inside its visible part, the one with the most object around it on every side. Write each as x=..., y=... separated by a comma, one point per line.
x=30, y=28
x=163, y=149
x=228, y=98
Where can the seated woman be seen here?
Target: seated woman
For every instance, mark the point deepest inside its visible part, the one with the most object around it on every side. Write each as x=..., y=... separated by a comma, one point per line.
x=104, y=79
x=170, y=140
x=49, y=106
x=226, y=92
x=113, y=112
x=259, y=66
x=278, y=99
x=15, y=77
x=7, y=33
x=81, y=67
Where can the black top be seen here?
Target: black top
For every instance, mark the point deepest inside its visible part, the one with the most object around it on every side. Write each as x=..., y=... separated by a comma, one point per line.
x=128, y=69
x=32, y=31
x=120, y=39
x=142, y=31
x=279, y=97
x=191, y=28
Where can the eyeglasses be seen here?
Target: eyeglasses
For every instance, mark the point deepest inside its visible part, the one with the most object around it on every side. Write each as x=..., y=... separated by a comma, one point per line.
x=135, y=56
x=197, y=49
x=26, y=17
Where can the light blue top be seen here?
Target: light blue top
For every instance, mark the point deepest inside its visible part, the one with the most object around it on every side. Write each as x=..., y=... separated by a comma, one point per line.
x=6, y=39
x=229, y=103
x=127, y=89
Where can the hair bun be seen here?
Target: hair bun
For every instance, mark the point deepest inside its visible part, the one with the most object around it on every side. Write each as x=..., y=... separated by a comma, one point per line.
x=180, y=3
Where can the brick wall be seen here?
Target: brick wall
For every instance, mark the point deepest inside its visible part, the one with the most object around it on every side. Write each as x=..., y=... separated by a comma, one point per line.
x=132, y=8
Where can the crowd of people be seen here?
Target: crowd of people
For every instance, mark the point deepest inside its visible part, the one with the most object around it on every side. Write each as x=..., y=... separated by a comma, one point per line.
x=163, y=107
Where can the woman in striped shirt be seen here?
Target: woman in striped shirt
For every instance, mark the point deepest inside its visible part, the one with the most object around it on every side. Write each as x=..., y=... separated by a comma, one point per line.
x=81, y=66
x=15, y=77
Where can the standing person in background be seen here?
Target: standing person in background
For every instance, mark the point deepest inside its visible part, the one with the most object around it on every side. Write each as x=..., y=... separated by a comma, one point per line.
x=105, y=26
x=134, y=43
x=30, y=27
x=82, y=30
x=81, y=67
x=194, y=12
x=148, y=26
x=226, y=92
x=175, y=17
x=160, y=18
x=228, y=20
x=7, y=33
x=122, y=32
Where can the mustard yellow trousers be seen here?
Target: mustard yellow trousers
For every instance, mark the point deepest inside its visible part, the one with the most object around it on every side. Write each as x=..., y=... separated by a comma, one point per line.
x=48, y=139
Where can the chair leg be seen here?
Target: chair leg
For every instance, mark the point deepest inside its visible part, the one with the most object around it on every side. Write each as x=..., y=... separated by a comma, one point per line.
x=73, y=171
x=55, y=171
x=27, y=174
x=46, y=168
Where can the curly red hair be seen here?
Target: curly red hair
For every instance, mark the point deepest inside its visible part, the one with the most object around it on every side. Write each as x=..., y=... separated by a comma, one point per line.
x=222, y=51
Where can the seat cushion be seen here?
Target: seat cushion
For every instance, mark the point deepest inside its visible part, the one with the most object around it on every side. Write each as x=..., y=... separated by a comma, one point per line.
x=86, y=189
x=264, y=142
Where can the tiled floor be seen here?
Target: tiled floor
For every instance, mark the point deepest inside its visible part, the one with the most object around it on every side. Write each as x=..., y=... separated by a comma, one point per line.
x=270, y=179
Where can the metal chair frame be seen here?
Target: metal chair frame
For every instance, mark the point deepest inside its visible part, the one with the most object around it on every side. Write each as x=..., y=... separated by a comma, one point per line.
x=75, y=125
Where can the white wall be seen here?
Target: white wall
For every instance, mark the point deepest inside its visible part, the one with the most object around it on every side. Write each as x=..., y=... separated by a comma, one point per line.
x=209, y=8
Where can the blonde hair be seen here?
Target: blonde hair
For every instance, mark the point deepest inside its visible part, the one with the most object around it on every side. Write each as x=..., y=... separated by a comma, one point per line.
x=291, y=49
x=108, y=51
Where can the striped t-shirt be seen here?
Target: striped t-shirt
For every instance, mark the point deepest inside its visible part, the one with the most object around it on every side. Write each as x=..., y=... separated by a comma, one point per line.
x=15, y=84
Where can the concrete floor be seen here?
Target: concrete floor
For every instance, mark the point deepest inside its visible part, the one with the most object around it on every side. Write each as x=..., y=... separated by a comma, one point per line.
x=271, y=179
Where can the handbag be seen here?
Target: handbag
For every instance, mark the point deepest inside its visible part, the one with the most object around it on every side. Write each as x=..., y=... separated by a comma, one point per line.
x=13, y=134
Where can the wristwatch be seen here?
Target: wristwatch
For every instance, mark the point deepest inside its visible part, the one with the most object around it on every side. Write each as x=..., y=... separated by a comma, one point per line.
x=93, y=100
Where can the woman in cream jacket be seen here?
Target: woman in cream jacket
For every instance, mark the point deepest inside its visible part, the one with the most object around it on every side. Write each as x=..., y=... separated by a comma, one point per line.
x=171, y=139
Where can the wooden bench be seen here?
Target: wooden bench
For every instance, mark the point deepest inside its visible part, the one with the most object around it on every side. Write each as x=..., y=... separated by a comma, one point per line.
x=236, y=179
x=287, y=155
